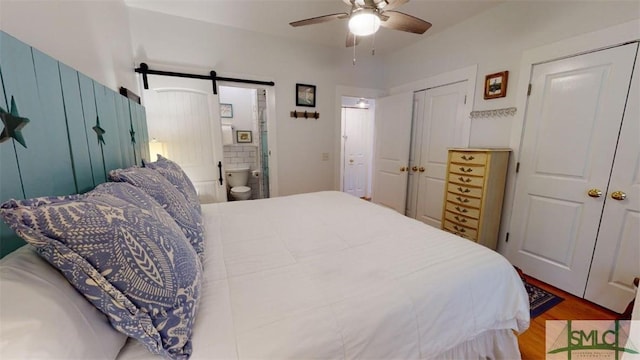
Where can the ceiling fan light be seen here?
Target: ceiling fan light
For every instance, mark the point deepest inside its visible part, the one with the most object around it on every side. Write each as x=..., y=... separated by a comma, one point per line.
x=364, y=23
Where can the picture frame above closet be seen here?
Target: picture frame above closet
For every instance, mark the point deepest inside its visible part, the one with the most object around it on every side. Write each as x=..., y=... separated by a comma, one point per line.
x=495, y=85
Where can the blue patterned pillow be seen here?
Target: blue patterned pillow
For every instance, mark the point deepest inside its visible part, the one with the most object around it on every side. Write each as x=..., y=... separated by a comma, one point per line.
x=159, y=188
x=132, y=263
x=174, y=173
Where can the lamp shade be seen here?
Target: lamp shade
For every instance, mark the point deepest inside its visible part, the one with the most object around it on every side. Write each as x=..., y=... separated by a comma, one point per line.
x=364, y=22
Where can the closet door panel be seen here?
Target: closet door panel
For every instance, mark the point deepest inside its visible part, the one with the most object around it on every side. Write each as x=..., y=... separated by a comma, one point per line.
x=91, y=121
x=107, y=114
x=124, y=125
x=10, y=183
x=76, y=129
x=616, y=260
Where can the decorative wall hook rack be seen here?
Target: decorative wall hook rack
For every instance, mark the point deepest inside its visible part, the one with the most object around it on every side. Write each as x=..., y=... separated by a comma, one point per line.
x=305, y=114
x=493, y=113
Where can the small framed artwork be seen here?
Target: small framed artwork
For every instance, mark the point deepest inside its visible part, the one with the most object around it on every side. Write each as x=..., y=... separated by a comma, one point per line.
x=305, y=95
x=243, y=136
x=226, y=110
x=495, y=85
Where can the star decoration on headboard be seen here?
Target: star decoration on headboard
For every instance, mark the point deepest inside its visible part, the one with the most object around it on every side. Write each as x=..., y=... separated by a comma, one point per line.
x=99, y=131
x=133, y=136
x=13, y=124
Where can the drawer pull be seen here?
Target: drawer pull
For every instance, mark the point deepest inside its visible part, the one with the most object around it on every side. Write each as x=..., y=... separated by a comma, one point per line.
x=462, y=210
x=462, y=220
x=461, y=235
x=467, y=180
x=463, y=190
x=462, y=200
x=467, y=170
x=464, y=157
x=461, y=229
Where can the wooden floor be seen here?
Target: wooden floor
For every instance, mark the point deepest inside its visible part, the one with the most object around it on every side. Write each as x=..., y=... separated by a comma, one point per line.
x=531, y=342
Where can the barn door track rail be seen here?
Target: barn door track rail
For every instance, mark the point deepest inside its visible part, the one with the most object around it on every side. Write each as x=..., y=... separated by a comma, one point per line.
x=144, y=70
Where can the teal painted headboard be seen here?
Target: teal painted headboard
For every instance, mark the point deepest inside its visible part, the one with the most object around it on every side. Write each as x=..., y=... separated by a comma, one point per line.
x=62, y=132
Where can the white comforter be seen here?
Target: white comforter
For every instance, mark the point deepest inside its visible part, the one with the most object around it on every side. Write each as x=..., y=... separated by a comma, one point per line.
x=327, y=275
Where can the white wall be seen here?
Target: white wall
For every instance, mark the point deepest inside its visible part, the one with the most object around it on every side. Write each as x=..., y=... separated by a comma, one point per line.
x=495, y=41
x=243, y=101
x=174, y=41
x=90, y=36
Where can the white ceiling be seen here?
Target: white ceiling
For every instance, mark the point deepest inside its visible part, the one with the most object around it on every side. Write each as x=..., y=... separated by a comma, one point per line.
x=273, y=17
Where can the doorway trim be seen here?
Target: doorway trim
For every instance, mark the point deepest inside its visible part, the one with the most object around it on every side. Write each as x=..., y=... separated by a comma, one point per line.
x=347, y=91
x=271, y=131
x=578, y=45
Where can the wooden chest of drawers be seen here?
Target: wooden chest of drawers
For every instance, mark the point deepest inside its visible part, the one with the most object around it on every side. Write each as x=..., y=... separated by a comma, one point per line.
x=474, y=191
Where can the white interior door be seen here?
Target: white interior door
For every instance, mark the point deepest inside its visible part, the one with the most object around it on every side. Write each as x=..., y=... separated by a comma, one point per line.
x=184, y=115
x=616, y=260
x=357, y=134
x=391, y=154
x=443, y=119
x=572, y=122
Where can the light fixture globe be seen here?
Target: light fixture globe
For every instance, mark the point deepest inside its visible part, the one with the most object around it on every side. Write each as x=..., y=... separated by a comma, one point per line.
x=364, y=22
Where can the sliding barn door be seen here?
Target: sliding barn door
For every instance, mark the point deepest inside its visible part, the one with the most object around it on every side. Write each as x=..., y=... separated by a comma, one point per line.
x=183, y=116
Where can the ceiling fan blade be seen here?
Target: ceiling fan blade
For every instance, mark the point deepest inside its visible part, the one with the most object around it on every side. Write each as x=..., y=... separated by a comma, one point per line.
x=319, y=19
x=388, y=5
x=350, y=38
x=403, y=22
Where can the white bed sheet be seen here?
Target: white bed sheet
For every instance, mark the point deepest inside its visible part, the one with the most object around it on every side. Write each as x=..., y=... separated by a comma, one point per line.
x=327, y=275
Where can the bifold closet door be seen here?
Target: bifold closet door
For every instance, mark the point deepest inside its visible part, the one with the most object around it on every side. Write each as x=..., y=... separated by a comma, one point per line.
x=442, y=128
x=572, y=123
x=616, y=260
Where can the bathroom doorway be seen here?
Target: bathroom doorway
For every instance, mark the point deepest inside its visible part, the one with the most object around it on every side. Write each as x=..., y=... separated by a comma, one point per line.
x=246, y=137
x=357, y=145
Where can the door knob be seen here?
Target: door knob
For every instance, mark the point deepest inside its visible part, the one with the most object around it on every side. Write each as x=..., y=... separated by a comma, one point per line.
x=595, y=193
x=421, y=169
x=618, y=195
x=402, y=169
x=414, y=168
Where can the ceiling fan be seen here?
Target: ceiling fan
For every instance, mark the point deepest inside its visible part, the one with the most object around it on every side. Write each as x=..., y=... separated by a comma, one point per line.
x=366, y=17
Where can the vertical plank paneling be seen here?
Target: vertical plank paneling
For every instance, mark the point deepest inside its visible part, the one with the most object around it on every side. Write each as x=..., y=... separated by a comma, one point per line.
x=90, y=118
x=61, y=154
x=76, y=129
x=47, y=167
x=10, y=183
x=122, y=114
x=107, y=114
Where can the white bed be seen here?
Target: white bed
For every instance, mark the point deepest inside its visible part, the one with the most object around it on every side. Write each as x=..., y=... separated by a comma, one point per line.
x=327, y=275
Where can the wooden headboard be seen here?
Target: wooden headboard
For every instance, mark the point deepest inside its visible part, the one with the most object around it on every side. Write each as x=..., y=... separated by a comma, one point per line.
x=62, y=131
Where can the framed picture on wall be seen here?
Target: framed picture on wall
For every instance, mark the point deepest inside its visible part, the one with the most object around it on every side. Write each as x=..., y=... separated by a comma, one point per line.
x=495, y=85
x=243, y=136
x=305, y=95
x=226, y=110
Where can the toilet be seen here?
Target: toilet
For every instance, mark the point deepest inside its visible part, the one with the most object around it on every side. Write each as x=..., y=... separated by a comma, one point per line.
x=237, y=180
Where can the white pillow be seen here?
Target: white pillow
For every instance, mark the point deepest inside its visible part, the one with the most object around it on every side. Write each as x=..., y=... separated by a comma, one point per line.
x=42, y=316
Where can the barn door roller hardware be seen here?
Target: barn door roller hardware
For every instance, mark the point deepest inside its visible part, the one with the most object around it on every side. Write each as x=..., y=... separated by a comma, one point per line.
x=144, y=70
